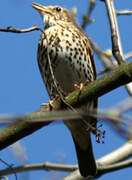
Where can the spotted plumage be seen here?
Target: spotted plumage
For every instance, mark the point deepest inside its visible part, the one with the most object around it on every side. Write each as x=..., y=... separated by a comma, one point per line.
x=64, y=45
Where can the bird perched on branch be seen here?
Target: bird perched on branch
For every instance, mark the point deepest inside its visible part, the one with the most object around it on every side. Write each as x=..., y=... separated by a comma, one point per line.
x=65, y=58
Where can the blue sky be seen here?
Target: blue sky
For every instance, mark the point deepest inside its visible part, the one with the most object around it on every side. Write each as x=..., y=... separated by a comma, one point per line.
x=22, y=90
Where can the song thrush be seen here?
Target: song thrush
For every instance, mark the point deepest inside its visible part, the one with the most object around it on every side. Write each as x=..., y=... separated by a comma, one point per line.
x=65, y=58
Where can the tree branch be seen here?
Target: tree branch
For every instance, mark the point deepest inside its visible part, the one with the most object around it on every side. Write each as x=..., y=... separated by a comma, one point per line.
x=115, y=36
x=114, y=167
x=99, y=87
x=125, y=12
x=107, y=62
x=63, y=168
x=15, y=30
x=106, y=163
x=86, y=17
x=41, y=166
x=20, y=129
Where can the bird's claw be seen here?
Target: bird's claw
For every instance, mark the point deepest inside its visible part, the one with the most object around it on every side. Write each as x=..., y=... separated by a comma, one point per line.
x=81, y=85
x=51, y=102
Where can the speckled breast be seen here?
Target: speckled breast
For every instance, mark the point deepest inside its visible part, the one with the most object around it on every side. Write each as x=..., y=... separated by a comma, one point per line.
x=63, y=58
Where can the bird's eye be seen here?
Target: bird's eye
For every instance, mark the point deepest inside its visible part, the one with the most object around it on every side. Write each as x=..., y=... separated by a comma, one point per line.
x=58, y=9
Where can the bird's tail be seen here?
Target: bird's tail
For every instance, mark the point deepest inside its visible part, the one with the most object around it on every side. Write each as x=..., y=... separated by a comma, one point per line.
x=86, y=161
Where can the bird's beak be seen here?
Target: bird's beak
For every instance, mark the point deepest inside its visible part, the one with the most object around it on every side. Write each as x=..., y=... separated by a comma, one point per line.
x=38, y=7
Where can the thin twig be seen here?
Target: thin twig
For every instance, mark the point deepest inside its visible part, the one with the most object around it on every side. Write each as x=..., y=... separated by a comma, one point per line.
x=15, y=30
x=9, y=167
x=86, y=17
x=124, y=12
x=107, y=61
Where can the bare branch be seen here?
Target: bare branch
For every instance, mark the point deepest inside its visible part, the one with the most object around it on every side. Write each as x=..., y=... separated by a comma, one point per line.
x=121, y=122
x=114, y=167
x=116, y=42
x=9, y=167
x=62, y=167
x=86, y=17
x=120, y=154
x=15, y=30
x=115, y=35
x=107, y=61
x=41, y=166
x=105, y=162
x=125, y=12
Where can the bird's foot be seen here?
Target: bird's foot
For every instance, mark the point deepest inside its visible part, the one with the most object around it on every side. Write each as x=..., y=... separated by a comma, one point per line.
x=51, y=102
x=81, y=85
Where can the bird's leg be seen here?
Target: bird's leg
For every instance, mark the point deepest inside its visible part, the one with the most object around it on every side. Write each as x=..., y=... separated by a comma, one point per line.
x=51, y=102
x=81, y=85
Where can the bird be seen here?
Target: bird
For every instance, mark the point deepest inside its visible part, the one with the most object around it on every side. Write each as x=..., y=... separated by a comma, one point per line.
x=65, y=59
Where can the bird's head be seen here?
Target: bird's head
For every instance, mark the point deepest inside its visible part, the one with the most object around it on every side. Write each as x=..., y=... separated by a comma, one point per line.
x=52, y=14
